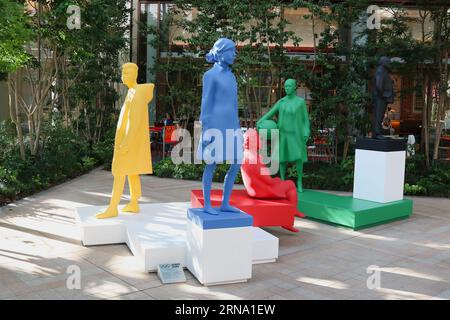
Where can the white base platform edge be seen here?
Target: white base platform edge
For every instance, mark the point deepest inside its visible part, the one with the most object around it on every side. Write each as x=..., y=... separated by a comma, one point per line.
x=208, y=284
x=157, y=234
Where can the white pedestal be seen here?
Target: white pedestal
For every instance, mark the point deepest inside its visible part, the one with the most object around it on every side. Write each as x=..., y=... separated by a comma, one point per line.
x=157, y=234
x=264, y=246
x=379, y=175
x=220, y=254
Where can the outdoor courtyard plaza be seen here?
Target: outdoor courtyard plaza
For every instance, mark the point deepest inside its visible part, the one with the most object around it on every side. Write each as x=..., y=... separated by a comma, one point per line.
x=39, y=240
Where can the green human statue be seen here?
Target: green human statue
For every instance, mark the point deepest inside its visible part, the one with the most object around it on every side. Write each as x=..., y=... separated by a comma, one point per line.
x=294, y=130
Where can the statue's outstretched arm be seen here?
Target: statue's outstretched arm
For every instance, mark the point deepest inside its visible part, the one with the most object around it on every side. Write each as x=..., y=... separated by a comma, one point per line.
x=148, y=89
x=270, y=114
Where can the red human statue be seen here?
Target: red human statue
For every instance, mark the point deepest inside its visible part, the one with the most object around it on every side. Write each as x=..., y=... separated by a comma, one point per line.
x=256, y=177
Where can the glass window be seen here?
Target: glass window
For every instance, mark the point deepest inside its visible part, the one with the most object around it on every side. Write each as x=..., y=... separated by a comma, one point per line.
x=416, y=25
x=148, y=17
x=147, y=53
x=414, y=21
x=304, y=27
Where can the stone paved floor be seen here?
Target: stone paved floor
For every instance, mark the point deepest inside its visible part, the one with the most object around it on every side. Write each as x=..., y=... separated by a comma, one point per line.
x=39, y=241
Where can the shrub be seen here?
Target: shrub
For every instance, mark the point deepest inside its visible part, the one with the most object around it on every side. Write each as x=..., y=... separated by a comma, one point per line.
x=62, y=155
x=437, y=181
x=187, y=171
x=325, y=176
x=164, y=168
x=88, y=163
x=414, y=189
x=415, y=168
x=16, y=176
x=103, y=151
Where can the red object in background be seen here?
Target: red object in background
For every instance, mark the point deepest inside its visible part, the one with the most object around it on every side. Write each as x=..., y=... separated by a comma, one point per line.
x=265, y=212
x=155, y=129
x=168, y=131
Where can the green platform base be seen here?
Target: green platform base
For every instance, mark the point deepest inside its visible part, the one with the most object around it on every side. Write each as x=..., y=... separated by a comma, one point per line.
x=349, y=212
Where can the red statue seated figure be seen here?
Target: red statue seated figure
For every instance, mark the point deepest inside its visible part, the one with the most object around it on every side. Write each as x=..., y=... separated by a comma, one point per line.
x=256, y=177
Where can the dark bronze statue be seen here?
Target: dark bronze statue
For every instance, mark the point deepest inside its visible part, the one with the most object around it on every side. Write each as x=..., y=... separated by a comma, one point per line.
x=383, y=94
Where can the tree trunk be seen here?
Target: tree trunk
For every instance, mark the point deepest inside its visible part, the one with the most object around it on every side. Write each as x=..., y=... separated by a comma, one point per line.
x=442, y=105
x=427, y=89
x=439, y=123
x=441, y=22
x=336, y=141
x=14, y=112
x=31, y=133
x=37, y=126
x=65, y=91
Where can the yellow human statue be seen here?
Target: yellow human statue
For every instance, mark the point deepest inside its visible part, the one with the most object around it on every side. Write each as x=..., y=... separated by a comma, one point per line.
x=132, y=155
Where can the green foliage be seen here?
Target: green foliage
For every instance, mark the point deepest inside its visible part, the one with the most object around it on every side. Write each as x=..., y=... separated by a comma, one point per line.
x=88, y=163
x=63, y=155
x=164, y=168
x=348, y=168
x=83, y=67
x=415, y=168
x=436, y=183
x=61, y=152
x=14, y=34
x=15, y=177
x=92, y=54
x=414, y=189
x=338, y=81
x=187, y=171
x=104, y=150
x=325, y=176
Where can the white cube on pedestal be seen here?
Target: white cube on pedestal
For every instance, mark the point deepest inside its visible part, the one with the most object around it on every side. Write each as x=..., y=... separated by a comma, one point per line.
x=379, y=170
x=219, y=247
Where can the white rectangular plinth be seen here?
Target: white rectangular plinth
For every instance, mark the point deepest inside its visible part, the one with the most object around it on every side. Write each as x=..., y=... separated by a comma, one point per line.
x=379, y=175
x=265, y=246
x=218, y=256
x=156, y=244
x=157, y=234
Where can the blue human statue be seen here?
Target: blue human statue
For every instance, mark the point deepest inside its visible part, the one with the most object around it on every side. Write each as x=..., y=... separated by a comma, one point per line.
x=221, y=139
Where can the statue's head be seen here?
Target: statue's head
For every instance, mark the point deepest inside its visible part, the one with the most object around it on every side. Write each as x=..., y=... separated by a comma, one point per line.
x=290, y=87
x=384, y=61
x=224, y=51
x=129, y=73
